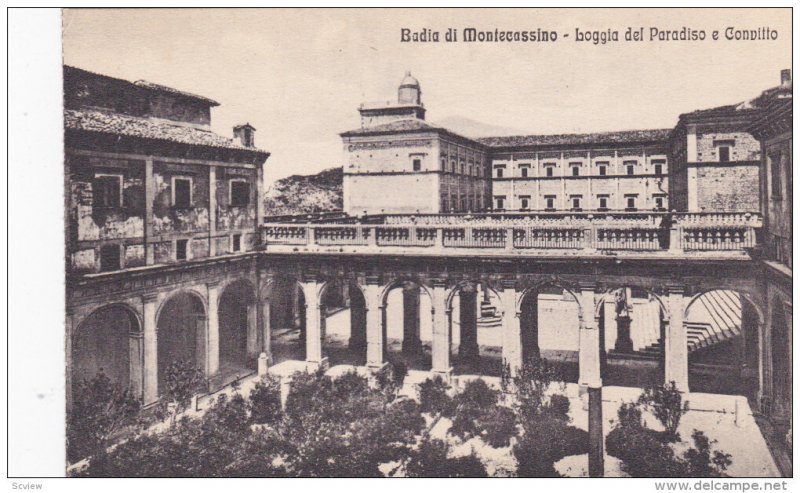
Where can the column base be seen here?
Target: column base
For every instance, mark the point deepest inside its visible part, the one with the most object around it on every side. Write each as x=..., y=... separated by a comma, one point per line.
x=446, y=375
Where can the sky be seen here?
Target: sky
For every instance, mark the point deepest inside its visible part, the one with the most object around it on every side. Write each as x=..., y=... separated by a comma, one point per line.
x=299, y=75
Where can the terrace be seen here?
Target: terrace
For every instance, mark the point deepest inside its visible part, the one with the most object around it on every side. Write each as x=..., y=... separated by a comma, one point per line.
x=727, y=235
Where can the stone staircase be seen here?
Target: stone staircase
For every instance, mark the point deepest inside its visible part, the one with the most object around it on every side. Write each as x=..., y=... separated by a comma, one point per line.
x=716, y=319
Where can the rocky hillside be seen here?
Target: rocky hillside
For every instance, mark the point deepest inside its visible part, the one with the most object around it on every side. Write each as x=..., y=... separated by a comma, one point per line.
x=298, y=194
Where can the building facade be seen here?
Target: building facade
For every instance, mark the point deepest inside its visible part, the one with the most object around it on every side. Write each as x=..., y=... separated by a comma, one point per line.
x=606, y=171
x=774, y=131
x=715, y=157
x=161, y=213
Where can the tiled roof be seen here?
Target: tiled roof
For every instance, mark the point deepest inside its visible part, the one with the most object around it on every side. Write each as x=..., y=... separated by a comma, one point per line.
x=624, y=137
x=172, y=90
x=406, y=125
x=131, y=126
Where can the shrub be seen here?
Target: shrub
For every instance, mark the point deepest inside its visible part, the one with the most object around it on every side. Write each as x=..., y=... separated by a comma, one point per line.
x=530, y=386
x=99, y=409
x=498, y=425
x=182, y=381
x=390, y=379
x=702, y=462
x=471, y=406
x=433, y=397
x=265, y=401
x=546, y=440
x=430, y=460
x=667, y=405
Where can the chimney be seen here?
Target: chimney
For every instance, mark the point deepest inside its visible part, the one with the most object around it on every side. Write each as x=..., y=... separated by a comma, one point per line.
x=245, y=134
x=786, y=77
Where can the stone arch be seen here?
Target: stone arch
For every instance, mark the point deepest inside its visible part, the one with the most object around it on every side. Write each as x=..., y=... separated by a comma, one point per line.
x=723, y=329
x=236, y=312
x=109, y=340
x=282, y=301
x=410, y=340
x=632, y=334
x=343, y=306
x=182, y=332
x=550, y=326
x=475, y=327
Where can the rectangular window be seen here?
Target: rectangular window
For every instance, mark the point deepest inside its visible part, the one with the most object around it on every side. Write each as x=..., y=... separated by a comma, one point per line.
x=576, y=203
x=602, y=203
x=576, y=171
x=550, y=202
x=182, y=192
x=107, y=191
x=724, y=154
x=775, y=174
x=602, y=169
x=659, y=201
x=658, y=168
x=109, y=258
x=180, y=249
x=236, y=243
x=630, y=203
x=500, y=202
x=549, y=170
x=630, y=167
x=524, y=203
x=240, y=193
x=452, y=166
x=498, y=172
x=417, y=164
x=523, y=171
x=444, y=164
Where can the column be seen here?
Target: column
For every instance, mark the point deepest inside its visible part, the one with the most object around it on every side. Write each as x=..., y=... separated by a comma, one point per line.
x=70, y=328
x=212, y=347
x=468, y=304
x=212, y=211
x=313, y=323
x=260, y=195
x=266, y=329
x=135, y=341
x=411, y=319
x=512, y=333
x=676, y=354
x=440, y=344
x=149, y=196
x=589, y=340
x=596, y=467
x=375, y=328
x=252, y=331
x=358, y=320
x=150, y=360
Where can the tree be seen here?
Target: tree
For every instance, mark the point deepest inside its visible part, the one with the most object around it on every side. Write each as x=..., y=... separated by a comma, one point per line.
x=667, y=405
x=182, y=381
x=430, y=460
x=99, y=409
x=434, y=398
x=265, y=401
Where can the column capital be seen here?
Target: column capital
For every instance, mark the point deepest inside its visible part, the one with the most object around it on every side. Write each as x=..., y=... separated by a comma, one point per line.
x=509, y=284
x=439, y=283
x=674, y=288
x=149, y=297
x=372, y=279
x=587, y=286
x=213, y=284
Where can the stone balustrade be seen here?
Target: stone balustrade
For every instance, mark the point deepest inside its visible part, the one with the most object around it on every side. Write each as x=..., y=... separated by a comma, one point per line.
x=565, y=231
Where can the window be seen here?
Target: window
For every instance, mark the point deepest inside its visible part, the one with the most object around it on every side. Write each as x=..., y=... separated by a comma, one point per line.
x=523, y=171
x=452, y=166
x=548, y=170
x=549, y=202
x=603, y=203
x=498, y=172
x=775, y=174
x=236, y=243
x=182, y=192
x=500, y=202
x=524, y=203
x=180, y=249
x=724, y=154
x=463, y=168
x=416, y=164
x=576, y=203
x=602, y=169
x=444, y=164
x=658, y=168
x=240, y=193
x=453, y=203
x=659, y=201
x=109, y=258
x=630, y=167
x=630, y=203
x=107, y=191
x=576, y=170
